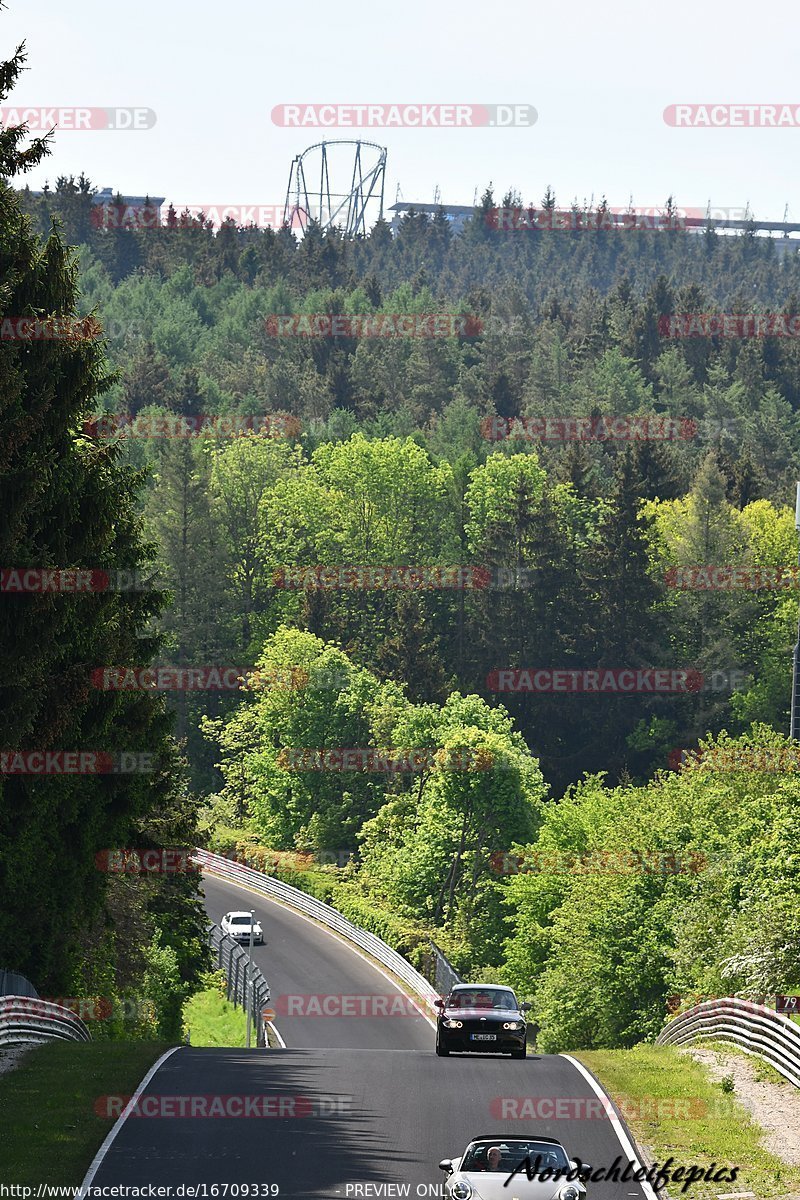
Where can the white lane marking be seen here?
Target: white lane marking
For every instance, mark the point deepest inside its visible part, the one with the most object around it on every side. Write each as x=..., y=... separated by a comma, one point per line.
x=332, y=932
x=97, y=1161
x=274, y=1029
x=618, y=1127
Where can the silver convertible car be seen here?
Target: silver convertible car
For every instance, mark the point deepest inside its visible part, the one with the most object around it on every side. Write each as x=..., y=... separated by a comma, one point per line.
x=540, y=1167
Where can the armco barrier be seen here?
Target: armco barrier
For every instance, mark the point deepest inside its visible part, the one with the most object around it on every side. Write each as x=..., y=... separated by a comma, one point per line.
x=755, y=1029
x=246, y=984
x=444, y=974
x=217, y=864
x=24, y=1020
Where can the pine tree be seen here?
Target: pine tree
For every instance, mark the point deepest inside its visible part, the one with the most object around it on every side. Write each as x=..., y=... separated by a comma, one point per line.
x=626, y=629
x=67, y=502
x=660, y=470
x=626, y=624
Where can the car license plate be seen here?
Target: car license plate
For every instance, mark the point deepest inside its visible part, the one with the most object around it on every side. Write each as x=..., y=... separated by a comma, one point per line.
x=484, y=1037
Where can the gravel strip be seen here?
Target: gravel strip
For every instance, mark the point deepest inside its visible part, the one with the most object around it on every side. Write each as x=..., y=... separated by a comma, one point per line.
x=773, y=1106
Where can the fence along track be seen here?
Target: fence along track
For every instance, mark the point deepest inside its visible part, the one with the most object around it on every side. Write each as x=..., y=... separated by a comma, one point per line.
x=757, y=1030
x=232, y=958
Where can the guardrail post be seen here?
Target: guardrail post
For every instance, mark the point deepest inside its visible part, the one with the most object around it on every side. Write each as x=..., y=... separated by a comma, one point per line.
x=236, y=991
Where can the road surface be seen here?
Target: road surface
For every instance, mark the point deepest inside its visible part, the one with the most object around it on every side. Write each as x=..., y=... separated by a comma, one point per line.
x=353, y=1107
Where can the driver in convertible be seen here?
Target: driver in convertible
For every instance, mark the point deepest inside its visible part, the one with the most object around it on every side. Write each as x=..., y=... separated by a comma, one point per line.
x=494, y=1157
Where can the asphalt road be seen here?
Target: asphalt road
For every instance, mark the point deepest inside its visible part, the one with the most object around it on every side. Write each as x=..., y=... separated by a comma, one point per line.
x=350, y=1102
x=309, y=971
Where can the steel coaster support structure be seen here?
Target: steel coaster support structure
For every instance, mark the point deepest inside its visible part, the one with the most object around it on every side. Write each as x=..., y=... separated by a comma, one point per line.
x=343, y=210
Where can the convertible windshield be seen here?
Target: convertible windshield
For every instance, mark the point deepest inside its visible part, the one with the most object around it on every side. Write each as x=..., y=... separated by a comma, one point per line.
x=512, y=1153
x=500, y=998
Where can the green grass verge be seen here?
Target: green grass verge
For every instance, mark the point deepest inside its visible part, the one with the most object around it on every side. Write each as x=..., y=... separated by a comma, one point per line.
x=211, y=1020
x=51, y=1132
x=695, y=1121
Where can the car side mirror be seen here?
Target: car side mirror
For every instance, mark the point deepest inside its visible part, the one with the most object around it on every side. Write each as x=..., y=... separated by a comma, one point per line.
x=585, y=1172
x=438, y=1004
x=526, y=1007
x=446, y=1165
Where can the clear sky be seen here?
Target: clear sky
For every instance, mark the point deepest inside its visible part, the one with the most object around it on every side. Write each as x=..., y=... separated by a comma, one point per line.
x=599, y=76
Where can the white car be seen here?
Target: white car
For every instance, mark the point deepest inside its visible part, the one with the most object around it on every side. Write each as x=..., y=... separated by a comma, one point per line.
x=540, y=1166
x=237, y=926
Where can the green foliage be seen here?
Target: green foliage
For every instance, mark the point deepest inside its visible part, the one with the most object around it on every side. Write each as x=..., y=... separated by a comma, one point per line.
x=392, y=463
x=408, y=937
x=161, y=986
x=70, y=500
x=632, y=894
x=210, y=1019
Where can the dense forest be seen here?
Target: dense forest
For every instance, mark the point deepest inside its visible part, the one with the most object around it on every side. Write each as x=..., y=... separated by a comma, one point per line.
x=67, y=501
x=423, y=453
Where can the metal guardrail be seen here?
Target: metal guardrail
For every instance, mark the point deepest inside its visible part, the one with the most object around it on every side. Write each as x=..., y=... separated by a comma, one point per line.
x=757, y=1030
x=444, y=973
x=14, y=984
x=27, y=1020
x=372, y=945
x=246, y=983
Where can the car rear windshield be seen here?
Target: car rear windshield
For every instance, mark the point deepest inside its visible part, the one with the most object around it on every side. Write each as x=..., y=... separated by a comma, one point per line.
x=499, y=998
x=512, y=1153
